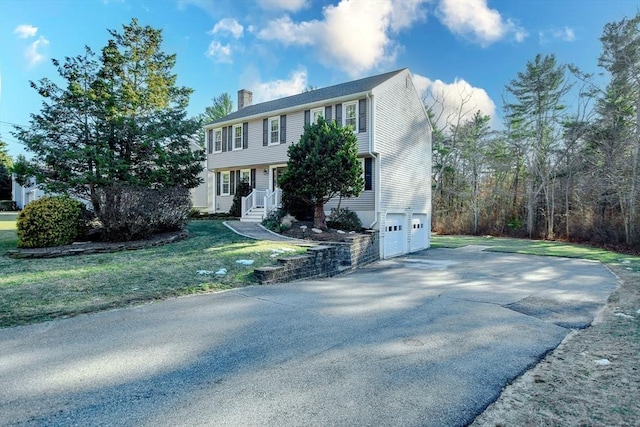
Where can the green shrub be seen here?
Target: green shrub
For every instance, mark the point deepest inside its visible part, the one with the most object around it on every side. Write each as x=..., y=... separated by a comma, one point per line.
x=8, y=205
x=50, y=221
x=273, y=221
x=243, y=189
x=344, y=219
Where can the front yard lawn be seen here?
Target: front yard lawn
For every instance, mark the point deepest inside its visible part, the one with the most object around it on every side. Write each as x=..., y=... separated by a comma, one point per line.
x=35, y=290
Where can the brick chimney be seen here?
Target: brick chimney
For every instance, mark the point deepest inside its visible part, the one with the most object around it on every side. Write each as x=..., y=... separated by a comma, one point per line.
x=245, y=98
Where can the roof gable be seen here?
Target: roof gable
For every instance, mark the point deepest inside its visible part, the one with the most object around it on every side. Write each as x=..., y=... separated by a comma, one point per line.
x=317, y=95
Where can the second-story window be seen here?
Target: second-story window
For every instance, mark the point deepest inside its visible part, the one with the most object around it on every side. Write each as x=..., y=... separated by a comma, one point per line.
x=316, y=114
x=217, y=134
x=237, y=137
x=274, y=130
x=351, y=115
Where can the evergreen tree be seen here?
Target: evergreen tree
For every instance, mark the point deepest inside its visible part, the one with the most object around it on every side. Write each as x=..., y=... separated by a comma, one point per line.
x=118, y=123
x=536, y=114
x=5, y=172
x=322, y=165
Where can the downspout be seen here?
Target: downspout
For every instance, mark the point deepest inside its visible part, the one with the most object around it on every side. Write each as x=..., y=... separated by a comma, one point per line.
x=376, y=159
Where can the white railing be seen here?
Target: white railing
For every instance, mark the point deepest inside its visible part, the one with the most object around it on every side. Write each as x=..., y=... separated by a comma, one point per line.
x=270, y=200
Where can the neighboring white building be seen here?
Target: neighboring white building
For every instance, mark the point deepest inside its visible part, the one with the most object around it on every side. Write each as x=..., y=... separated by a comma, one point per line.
x=25, y=194
x=394, y=140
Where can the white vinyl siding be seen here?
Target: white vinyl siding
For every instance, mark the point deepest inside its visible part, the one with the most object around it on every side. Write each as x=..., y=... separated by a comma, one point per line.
x=403, y=139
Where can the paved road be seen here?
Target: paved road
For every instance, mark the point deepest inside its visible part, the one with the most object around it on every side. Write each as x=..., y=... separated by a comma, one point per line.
x=427, y=340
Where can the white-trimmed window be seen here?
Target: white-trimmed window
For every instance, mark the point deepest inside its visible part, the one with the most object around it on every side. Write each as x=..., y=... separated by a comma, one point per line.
x=274, y=130
x=237, y=137
x=217, y=137
x=245, y=175
x=316, y=114
x=351, y=115
x=226, y=183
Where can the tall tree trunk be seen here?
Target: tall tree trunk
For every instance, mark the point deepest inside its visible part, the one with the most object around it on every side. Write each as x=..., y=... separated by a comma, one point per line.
x=318, y=217
x=633, y=210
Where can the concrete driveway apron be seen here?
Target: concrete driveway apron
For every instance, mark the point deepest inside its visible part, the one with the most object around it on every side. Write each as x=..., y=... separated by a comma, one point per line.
x=426, y=340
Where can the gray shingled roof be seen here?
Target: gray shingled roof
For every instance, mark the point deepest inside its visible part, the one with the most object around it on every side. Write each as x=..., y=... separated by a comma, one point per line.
x=343, y=89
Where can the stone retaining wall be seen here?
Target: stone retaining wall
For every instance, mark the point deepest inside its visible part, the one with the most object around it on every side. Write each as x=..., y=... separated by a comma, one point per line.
x=326, y=260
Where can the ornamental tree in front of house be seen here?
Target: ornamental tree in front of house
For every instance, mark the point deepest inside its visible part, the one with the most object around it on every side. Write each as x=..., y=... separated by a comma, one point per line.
x=323, y=165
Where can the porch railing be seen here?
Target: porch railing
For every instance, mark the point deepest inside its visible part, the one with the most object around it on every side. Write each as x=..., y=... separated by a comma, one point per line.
x=270, y=200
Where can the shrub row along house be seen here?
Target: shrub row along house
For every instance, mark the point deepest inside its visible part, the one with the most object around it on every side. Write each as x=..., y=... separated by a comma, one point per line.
x=394, y=145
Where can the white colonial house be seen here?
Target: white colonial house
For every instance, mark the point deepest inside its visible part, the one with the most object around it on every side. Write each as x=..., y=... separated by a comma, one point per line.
x=394, y=144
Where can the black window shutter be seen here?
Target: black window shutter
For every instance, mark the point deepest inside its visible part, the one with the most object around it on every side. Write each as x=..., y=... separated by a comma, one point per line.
x=232, y=182
x=368, y=184
x=283, y=129
x=210, y=142
x=265, y=132
x=224, y=139
x=238, y=177
x=307, y=117
x=218, y=183
x=253, y=178
x=327, y=113
x=339, y=114
x=362, y=113
x=245, y=135
x=230, y=139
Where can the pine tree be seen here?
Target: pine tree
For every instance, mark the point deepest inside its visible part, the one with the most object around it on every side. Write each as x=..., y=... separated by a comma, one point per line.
x=323, y=165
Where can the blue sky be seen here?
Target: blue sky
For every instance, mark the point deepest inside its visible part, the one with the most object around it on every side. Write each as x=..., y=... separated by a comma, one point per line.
x=458, y=49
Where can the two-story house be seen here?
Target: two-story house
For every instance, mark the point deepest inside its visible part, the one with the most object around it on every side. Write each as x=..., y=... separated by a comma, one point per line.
x=394, y=139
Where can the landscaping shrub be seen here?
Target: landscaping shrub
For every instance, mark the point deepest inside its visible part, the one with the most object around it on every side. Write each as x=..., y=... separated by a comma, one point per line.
x=8, y=205
x=50, y=221
x=242, y=189
x=273, y=221
x=133, y=213
x=344, y=219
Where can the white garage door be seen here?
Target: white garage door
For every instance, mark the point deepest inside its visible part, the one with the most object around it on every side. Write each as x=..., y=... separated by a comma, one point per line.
x=394, y=235
x=419, y=232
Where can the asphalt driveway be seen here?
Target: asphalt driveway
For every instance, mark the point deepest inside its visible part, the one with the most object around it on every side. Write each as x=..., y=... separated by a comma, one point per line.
x=427, y=340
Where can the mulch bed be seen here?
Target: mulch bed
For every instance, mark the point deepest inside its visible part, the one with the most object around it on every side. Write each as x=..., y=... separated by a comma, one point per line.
x=83, y=248
x=329, y=235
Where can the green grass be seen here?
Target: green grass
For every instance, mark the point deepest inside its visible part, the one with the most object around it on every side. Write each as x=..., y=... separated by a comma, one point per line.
x=34, y=290
x=539, y=247
x=8, y=220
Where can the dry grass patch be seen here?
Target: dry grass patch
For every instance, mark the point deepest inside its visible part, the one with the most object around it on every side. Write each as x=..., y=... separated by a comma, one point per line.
x=34, y=290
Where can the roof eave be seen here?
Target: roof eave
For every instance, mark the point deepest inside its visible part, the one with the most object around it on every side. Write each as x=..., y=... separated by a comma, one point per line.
x=298, y=107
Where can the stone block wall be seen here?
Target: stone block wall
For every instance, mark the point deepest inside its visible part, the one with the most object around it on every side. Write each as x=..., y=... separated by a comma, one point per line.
x=325, y=260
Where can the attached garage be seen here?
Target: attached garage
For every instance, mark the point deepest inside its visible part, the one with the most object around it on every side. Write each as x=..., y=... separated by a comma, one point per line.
x=420, y=227
x=395, y=235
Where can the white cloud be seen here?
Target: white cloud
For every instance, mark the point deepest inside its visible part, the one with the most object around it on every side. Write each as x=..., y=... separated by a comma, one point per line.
x=274, y=89
x=473, y=19
x=288, y=5
x=25, y=31
x=453, y=101
x=219, y=53
x=565, y=34
x=32, y=54
x=228, y=26
x=333, y=36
